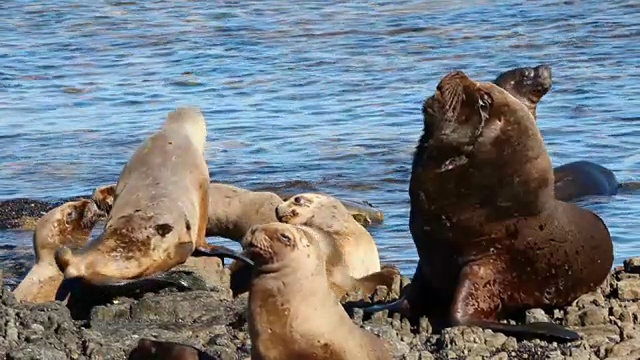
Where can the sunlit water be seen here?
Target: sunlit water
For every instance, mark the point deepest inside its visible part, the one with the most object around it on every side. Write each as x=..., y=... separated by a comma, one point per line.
x=327, y=92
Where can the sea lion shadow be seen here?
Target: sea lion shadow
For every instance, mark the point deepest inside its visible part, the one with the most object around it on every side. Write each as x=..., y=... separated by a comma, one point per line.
x=82, y=296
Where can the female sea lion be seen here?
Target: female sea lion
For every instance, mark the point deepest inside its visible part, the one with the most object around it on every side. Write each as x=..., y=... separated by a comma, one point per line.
x=69, y=224
x=159, y=213
x=326, y=213
x=492, y=239
x=575, y=179
x=293, y=314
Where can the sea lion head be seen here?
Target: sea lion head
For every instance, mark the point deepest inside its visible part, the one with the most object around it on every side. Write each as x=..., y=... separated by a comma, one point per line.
x=308, y=208
x=272, y=246
x=103, y=196
x=132, y=246
x=68, y=225
x=191, y=121
x=465, y=118
x=527, y=84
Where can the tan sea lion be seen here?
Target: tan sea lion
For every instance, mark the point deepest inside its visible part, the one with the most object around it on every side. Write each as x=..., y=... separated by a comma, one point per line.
x=492, y=239
x=70, y=225
x=326, y=213
x=293, y=314
x=159, y=213
x=572, y=180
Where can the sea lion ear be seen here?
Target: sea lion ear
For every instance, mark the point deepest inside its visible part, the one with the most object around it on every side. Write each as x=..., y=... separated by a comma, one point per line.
x=163, y=229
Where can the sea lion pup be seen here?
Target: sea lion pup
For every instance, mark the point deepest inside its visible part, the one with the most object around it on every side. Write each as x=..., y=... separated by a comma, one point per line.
x=327, y=213
x=492, y=239
x=293, y=314
x=575, y=179
x=159, y=213
x=69, y=224
x=148, y=349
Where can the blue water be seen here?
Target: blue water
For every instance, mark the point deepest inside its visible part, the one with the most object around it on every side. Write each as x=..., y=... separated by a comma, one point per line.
x=323, y=91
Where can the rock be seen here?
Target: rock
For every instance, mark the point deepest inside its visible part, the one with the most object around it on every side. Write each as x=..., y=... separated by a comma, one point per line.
x=536, y=315
x=629, y=289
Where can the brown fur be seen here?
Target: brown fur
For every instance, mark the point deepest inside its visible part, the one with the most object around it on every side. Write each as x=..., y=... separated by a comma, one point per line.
x=491, y=237
x=69, y=224
x=293, y=314
x=159, y=211
x=527, y=84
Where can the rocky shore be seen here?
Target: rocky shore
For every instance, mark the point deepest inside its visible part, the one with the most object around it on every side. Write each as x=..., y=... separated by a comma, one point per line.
x=204, y=315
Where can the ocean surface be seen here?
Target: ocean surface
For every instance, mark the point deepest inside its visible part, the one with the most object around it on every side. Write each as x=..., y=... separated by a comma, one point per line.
x=326, y=92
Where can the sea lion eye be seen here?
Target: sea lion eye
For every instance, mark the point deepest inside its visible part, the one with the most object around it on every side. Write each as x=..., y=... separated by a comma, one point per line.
x=285, y=238
x=298, y=200
x=484, y=102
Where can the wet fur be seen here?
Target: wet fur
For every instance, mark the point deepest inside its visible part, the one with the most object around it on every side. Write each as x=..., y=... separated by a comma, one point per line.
x=491, y=238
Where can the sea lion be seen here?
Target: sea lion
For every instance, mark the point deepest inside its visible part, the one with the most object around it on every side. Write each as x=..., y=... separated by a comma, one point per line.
x=326, y=213
x=293, y=314
x=527, y=84
x=69, y=224
x=575, y=179
x=159, y=213
x=492, y=239
x=148, y=349
x=233, y=210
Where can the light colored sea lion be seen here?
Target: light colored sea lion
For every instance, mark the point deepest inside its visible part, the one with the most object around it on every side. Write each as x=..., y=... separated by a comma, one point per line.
x=572, y=180
x=492, y=239
x=326, y=213
x=159, y=213
x=293, y=314
x=70, y=225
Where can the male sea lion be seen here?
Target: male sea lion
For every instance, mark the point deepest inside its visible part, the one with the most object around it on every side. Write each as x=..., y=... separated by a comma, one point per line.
x=159, y=213
x=69, y=224
x=575, y=179
x=326, y=213
x=293, y=314
x=491, y=238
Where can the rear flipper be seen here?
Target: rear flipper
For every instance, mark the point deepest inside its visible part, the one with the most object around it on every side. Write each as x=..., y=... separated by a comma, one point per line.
x=541, y=330
x=221, y=252
x=166, y=350
x=385, y=277
x=478, y=301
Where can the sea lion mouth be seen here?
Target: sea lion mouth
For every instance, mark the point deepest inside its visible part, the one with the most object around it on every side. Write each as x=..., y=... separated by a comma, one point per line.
x=260, y=255
x=285, y=215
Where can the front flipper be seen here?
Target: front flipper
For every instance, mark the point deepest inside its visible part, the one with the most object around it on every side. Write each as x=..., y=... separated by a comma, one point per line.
x=477, y=302
x=240, y=279
x=221, y=252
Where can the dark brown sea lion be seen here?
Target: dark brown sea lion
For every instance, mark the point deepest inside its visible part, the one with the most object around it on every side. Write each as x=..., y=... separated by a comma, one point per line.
x=575, y=179
x=293, y=313
x=159, y=213
x=70, y=225
x=491, y=237
x=148, y=349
